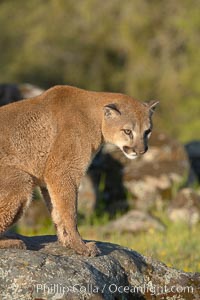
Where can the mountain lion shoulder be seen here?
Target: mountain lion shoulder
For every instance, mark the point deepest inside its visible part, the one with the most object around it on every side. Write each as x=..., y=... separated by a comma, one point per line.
x=49, y=140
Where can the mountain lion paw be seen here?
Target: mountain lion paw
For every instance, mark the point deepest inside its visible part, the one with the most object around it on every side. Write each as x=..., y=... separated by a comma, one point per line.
x=87, y=249
x=92, y=249
x=12, y=243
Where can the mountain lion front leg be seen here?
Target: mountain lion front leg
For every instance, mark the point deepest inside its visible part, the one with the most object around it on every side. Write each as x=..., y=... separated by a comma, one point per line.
x=63, y=191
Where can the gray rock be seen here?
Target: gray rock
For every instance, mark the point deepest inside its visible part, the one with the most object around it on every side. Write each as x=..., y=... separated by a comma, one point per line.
x=147, y=183
x=9, y=93
x=29, y=90
x=49, y=271
x=153, y=178
x=134, y=221
x=193, y=151
x=185, y=207
x=103, y=188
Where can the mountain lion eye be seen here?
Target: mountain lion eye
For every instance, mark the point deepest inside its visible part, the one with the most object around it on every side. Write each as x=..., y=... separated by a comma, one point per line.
x=127, y=131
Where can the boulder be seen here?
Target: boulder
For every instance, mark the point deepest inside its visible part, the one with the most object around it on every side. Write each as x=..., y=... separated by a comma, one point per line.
x=185, y=207
x=145, y=183
x=103, y=186
x=12, y=92
x=29, y=90
x=9, y=93
x=134, y=221
x=193, y=151
x=49, y=271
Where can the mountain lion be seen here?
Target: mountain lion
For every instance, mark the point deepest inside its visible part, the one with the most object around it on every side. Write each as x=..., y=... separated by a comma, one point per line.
x=49, y=140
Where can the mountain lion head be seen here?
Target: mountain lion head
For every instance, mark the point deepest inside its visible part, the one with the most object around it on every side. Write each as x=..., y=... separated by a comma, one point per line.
x=128, y=125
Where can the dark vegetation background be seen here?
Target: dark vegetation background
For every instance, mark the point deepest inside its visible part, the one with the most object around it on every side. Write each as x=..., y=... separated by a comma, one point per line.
x=147, y=49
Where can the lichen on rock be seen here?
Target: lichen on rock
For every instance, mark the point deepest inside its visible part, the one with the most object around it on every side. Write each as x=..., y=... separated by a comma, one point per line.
x=49, y=271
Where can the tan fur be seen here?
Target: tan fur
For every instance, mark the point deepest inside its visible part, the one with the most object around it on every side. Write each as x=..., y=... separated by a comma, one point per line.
x=49, y=141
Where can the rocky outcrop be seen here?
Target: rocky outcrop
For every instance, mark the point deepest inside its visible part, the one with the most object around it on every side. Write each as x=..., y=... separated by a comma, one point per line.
x=193, y=151
x=29, y=90
x=134, y=221
x=9, y=93
x=149, y=182
x=185, y=207
x=49, y=271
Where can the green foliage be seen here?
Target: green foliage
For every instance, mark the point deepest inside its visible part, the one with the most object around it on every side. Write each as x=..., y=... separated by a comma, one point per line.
x=177, y=246
x=148, y=49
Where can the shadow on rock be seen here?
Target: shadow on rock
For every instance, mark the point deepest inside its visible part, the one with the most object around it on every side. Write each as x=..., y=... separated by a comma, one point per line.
x=119, y=273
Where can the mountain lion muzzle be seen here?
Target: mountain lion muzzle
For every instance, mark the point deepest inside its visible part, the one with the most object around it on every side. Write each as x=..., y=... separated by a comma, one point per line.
x=48, y=141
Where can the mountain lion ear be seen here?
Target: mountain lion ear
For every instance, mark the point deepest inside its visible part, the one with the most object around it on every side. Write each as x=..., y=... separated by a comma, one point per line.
x=152, y=105
x=111, y=111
